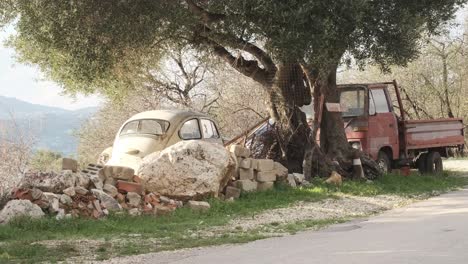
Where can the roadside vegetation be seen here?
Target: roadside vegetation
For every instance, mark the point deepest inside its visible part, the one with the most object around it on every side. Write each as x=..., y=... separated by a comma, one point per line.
x=31, y=241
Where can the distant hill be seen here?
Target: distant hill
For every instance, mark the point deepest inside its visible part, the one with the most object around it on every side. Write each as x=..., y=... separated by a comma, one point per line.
x=52, y=127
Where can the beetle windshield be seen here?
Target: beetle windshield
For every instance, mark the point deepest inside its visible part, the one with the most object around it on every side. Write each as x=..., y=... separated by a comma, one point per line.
x=352, y=102
x=145, y=126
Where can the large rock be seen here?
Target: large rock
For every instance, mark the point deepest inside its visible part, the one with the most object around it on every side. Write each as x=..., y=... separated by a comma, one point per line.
x=49, y=181
x=187, y=170
x=19, y=208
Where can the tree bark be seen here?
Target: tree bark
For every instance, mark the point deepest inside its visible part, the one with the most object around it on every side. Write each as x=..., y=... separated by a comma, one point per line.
x=288, y=92
x=333, y=141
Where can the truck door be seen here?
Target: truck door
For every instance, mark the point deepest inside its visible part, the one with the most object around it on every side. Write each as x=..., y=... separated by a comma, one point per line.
x=383, y=126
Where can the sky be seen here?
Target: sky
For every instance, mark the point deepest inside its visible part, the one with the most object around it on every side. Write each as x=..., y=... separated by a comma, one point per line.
x=26, y=83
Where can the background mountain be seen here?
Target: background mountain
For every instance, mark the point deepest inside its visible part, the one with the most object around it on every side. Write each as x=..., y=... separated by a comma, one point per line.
x=53, y=128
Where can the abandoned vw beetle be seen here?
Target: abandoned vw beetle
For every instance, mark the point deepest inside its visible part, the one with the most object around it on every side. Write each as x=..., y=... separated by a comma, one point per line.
x=152, y=131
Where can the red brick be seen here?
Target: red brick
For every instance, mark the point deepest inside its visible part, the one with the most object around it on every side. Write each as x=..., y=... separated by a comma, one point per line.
x=137, y=179
x=125, y=187
x=22, y=194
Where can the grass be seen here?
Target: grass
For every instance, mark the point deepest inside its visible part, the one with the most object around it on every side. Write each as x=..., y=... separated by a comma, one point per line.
x=20, y=240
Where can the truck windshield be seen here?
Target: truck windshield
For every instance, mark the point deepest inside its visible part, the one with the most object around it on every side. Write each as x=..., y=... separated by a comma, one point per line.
x=145, y=126
x=352, y=102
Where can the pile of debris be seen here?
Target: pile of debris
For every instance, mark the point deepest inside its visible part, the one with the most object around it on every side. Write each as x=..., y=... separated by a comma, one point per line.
x=257, y=174
x=93, y=192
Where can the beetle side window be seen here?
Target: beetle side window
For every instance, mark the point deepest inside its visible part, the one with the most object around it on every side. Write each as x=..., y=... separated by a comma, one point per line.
x=378, y=102
x=209, y=129
x=190, y=130
x=130, y=128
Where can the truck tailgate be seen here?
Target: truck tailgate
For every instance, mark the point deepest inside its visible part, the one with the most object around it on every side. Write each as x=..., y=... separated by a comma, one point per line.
x=434, y=133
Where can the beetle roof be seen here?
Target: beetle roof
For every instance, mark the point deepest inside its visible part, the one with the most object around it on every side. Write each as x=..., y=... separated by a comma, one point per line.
x=173, y=116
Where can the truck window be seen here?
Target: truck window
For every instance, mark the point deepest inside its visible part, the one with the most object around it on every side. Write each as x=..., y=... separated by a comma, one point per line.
x=209, y=129
x=190, y=130
x=378, y=102
x=352, y=102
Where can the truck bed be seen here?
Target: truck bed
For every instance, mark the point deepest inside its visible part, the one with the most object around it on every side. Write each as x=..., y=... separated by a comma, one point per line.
x=433, y=133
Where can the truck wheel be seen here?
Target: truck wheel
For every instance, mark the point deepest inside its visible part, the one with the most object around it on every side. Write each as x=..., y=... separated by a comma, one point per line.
x=421, y=163
x=384, y=162
x=434, y=163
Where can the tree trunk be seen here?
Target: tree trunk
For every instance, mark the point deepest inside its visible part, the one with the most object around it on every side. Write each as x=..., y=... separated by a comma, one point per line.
x=287, y=94
x=333, y=141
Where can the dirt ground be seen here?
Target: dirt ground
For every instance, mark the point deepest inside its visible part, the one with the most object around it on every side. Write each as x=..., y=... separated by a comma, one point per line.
x=457, y=165
x=345, y=206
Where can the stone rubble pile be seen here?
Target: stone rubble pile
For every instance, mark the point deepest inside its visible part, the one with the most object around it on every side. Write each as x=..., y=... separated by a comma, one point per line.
x=257, y=174
x=94, y=192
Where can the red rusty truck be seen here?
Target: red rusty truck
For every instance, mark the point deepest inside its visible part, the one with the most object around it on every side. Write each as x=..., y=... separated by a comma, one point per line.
x=373, y=125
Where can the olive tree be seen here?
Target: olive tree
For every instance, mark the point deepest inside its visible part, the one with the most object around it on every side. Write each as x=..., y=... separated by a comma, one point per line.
x=291, y=48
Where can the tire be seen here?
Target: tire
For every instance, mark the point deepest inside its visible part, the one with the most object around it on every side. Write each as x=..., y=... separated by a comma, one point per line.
x=383, y=160
x=421, y=163
x=434, y=163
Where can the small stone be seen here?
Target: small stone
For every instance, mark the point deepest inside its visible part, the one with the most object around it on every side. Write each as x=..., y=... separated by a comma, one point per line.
x=70, y=191
x=54, y=206
x=69, y=164
x=264, y=186
x=105, y=211
x=110, y=181
x=17, y=208
x=134, y=212
x=247, y=185
x=246, y=174
x=65, y=199
x=232, y=192
x=118, y=172
x=120, y=197
x=110, y=189
x=48, y=196
x=266, y=176
x=108, y=201
x=68, y=216
x=81, y=190
x=160, y=209
x=134, y=199
x=299, y=178
x=60, y=215
x=281, y=171
x=164, y=200
x=82, y=180
x=291, y=181
x=36, y=194
x=335, y=179
x=246, y=163
x=97, y=182
x=198, y=206
x=265, y=165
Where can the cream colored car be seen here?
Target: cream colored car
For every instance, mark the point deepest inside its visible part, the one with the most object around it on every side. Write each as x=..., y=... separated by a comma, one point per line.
x=152, y=131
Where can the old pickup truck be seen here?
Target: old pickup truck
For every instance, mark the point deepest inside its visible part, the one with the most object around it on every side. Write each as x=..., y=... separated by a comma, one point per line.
x=374, y=126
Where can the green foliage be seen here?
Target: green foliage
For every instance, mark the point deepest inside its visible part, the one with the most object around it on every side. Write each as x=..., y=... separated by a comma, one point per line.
x=89, y=45
x=45, y=160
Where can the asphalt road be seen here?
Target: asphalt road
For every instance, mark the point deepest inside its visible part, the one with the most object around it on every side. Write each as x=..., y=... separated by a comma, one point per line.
x=429, y=232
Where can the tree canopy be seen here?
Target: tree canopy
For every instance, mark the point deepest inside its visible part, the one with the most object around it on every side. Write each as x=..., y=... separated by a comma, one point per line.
x=91, y=44
x=289, y=47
